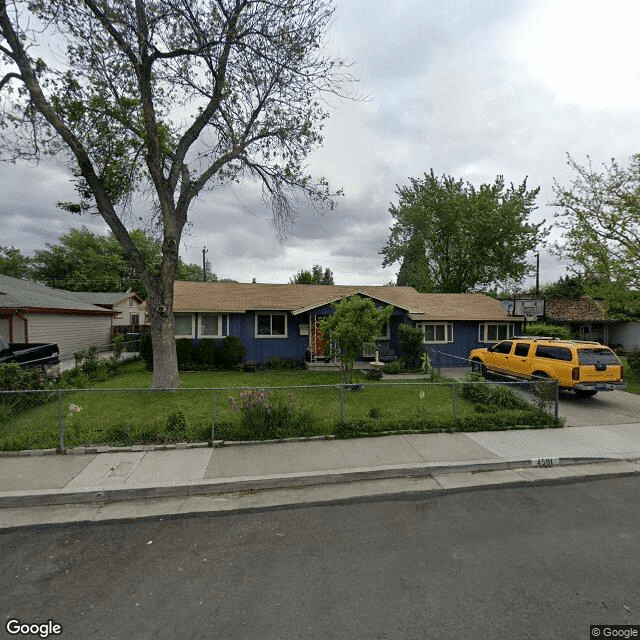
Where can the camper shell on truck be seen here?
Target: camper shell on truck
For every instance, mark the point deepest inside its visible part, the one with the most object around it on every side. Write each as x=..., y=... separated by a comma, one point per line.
x=582, y=367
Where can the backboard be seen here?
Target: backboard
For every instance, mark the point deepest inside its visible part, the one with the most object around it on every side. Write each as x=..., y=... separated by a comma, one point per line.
x=528, y=307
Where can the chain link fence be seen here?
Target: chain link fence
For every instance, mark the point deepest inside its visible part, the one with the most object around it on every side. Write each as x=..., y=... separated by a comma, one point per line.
x=63, y=419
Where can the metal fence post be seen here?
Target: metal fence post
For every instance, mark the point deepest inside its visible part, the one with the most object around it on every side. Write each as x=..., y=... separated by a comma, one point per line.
x=213, y=415
x=60, y=422
x=453, y=401
x=557, y=399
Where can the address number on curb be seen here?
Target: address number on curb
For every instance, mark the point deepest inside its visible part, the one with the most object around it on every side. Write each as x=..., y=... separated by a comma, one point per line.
x=545, y=462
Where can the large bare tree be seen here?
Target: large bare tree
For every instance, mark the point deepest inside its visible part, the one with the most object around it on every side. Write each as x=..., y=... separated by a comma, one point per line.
x=169, y=97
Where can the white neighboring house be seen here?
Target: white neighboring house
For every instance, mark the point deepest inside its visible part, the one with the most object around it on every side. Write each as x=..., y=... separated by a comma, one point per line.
x=128, y=306
x=34, y=313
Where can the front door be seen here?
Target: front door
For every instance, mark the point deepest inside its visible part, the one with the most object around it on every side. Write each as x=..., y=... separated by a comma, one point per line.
x=317, y=341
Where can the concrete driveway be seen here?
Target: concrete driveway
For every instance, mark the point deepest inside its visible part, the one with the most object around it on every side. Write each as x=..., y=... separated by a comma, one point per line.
x=605, y=408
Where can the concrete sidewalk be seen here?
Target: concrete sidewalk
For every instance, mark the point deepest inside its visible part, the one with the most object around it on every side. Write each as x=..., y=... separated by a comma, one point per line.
x=136, y=483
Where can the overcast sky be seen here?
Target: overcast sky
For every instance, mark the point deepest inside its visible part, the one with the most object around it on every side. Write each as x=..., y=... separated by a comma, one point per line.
x=470, y=88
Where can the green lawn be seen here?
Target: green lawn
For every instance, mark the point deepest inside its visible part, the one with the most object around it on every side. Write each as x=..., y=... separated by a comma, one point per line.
x=124, y=410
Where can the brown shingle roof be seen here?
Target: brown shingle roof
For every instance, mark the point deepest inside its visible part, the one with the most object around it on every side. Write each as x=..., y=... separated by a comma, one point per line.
x=584, y=309
x=233, y=297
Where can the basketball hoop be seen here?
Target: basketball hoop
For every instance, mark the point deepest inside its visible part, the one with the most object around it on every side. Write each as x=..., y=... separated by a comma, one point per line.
x=529, y=308
x=529, y=319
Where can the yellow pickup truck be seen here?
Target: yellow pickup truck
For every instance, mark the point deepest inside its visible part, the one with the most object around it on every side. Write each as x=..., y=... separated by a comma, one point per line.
x=583, y=367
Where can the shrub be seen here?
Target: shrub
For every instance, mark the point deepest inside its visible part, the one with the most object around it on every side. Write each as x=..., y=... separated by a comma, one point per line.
x=411, y=342
x=87, y=360
x=118, y=346
x=185, y=352
x=207, y=353
x=276, y=363
x=479, y=392
x=177, y=426
x=267, y=416
x=231, y=353
x=372, y=374
x=13, y=378
x=392, y=367
x=633, y=360
x=552, y=330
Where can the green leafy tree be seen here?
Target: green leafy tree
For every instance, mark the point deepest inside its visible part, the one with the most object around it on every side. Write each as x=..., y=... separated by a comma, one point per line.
x=166, y=98
x=81, y=261
x=355, y=321
x=193, y=273
x=13, y=263
x=451, y=237
x=599, y=215
x=570, y=287
x=85, y=261
x=316, y=276
x=412, y=343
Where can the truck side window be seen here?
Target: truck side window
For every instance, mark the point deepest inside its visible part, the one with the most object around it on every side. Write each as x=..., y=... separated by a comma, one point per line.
x=522, y=349
x=554, y=353
x=502, y=347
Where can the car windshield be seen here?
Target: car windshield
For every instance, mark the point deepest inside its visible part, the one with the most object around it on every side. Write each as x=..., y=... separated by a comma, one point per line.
x=597, y=356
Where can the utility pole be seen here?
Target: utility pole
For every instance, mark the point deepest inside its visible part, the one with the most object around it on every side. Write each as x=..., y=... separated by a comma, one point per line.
x=538, y=274
x=204, y=264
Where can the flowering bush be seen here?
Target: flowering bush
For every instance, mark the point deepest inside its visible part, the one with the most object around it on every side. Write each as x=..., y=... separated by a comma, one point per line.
x=266, y=416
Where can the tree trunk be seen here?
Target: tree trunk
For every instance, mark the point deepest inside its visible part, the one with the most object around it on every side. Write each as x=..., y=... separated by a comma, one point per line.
x=165, y=360
x=163, y=340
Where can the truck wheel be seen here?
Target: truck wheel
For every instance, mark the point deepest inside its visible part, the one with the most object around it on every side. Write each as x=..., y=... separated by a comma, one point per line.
x=582, y=393
x=478, y=367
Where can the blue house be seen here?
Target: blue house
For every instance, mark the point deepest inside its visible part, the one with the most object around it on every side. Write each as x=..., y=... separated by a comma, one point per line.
x=282, y=319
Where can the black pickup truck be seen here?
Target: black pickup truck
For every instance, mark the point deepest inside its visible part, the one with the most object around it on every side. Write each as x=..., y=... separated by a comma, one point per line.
x=29, y=356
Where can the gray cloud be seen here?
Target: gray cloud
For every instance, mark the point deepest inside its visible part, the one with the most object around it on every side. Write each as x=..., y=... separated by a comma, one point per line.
x=472, y=88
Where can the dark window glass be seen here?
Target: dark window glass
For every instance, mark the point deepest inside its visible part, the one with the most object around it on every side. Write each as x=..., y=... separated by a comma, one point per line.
x=597, y=356
x=522, y=349
x=502, y=347
x=553, y=353
x=277, y=325
x=264, y=325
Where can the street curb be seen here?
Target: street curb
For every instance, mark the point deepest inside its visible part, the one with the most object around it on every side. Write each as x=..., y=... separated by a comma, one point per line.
x=291, y=480
x=379, y=495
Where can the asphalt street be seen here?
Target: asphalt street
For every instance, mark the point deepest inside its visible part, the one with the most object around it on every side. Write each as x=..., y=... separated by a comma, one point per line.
x=537, y=562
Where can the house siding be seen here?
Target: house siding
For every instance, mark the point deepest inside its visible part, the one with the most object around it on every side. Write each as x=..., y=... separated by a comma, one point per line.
x=70, y=332
x=127, y=310
x=626, y=334
x=463, y=312
x=262, y=349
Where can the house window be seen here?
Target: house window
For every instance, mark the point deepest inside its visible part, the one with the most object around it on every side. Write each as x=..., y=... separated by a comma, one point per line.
x=210, y=326
x=184, y=325
x=435, y=332
x=495, y=331
x=135, y=318
x=271, y=325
